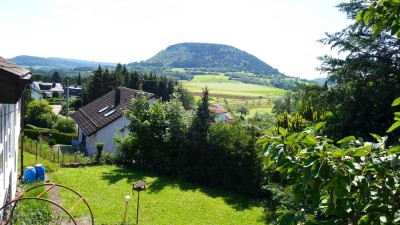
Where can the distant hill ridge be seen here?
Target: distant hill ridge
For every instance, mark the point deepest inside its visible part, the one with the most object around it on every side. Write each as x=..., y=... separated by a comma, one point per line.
x=206, y=55
x=32, y=61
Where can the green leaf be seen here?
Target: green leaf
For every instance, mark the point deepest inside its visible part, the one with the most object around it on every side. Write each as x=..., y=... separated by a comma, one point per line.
x=338, y=153
x=267, y=161
x=377, y=137
x=394, y=126
x=288, y=219
x=367, y=16
x=307, y=176
x=310, y=140
x=351, y=168
x=394, y=29
x=364, y=220
x=396, y=102
x=347, y=139
x=340, y=189
x=350, y=152
x=360, y=15
x=262, y=140
x=282, y=131
x=377, y=164
x=310, y=161
x=319, y=125
x=363, y=151
x=394, y=150
x=316, y=191
x=324, y=171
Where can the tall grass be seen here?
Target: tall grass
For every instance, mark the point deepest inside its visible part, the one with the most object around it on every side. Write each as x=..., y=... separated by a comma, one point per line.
x=43, y=150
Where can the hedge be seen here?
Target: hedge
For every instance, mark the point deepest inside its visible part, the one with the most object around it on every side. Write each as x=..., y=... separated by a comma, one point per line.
x=60, y=137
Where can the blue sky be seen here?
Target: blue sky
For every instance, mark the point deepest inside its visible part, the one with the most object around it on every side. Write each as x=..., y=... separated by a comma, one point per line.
x=282, y=33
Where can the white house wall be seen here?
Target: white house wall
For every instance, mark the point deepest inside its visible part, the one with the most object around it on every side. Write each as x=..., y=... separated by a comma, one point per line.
x=9, y=133
x=106, y=136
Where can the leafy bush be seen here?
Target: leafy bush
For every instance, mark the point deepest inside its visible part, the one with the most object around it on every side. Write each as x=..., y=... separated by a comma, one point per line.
x=65, y=125
x=60, y=138
x=52, y=142
x=75, y=103
x=232, y=161
x=109, y=158
x=99, y=148
x=39, y=113
x=353, y=182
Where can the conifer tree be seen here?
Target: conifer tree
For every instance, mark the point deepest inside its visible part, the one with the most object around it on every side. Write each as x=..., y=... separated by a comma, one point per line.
x=95, y=87
x=79, y=80
x=125, y=76
x=198, y=139
x=56, y=78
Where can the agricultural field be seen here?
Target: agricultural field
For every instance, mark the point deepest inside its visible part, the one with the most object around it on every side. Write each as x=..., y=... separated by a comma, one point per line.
x=231, y=94
x=221, y=86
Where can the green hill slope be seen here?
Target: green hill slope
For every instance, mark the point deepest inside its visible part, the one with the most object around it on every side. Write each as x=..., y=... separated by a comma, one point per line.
x=217, y=56
x=53, y=62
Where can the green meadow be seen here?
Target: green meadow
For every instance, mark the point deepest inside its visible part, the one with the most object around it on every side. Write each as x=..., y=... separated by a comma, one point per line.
x=221, y=86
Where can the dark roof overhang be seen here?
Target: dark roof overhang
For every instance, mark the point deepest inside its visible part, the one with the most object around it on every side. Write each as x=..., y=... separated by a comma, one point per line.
x=13, y=81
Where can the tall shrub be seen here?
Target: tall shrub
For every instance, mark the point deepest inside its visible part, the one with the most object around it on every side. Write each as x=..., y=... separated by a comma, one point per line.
x=350, y=182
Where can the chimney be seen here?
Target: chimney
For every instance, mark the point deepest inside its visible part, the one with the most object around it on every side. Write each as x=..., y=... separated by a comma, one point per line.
x=117, y=98
x=54, y=85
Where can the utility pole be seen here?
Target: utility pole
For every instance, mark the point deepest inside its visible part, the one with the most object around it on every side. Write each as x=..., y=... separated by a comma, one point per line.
x=67, y=98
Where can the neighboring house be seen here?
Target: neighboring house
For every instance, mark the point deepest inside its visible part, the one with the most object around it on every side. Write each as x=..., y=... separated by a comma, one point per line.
x=36, y=94
x=99, y=120
x=13, y=80
x=46, y=88
x=74, y=91
x=220, y=114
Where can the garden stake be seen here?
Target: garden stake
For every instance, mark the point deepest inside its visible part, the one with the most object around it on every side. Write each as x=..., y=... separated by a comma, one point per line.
x=127, y=198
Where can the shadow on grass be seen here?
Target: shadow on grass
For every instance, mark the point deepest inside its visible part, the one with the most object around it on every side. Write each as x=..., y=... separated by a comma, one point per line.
x=119, y=174
x=158, y=183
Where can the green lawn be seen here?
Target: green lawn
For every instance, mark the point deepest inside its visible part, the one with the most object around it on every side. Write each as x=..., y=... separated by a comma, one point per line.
x=166, y=201
x=220, y=85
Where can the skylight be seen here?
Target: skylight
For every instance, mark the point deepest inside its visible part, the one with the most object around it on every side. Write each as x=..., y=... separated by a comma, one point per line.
x=109, y=113
x=103, y=109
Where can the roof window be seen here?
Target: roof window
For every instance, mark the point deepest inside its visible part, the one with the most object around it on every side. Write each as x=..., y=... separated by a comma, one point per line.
x=103, y=109
x=109, y=113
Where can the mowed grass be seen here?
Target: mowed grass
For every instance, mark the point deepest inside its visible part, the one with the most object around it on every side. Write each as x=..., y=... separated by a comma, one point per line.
x=220, y=85
x=166, y=201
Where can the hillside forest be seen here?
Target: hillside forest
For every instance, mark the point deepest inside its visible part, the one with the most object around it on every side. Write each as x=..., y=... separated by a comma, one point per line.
x=326, y=154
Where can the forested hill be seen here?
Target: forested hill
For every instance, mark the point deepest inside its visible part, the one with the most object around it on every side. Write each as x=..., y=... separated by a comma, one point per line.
x=216, y=56
x=32, y=61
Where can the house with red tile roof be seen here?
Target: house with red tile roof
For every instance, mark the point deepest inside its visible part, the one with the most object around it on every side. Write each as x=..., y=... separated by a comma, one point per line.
x=221, y=115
